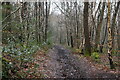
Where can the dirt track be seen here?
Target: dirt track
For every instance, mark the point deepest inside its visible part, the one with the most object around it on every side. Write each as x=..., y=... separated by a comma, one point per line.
x=63, y=64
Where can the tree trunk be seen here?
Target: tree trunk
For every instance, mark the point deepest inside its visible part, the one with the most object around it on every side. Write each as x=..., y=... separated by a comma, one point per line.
x=104, y=38
x=46, y=22
x=67, y=32
x=110, y=40
x=97, y=39
x=36, y=21
x=71, y=38
x=77, y=26
x=113, y=24
x=86, y=30
x=39, y=35
x=118, y=32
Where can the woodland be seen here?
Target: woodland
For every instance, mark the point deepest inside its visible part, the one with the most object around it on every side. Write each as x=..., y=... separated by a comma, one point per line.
x=37, y=36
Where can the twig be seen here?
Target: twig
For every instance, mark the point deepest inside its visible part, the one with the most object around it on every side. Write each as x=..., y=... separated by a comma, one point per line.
x=61, y=10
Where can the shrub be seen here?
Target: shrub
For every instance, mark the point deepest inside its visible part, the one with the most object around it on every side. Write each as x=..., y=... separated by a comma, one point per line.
x=95, y=56
x=16, y=54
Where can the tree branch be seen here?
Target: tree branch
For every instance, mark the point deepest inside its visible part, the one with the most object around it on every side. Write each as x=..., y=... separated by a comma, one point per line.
x=11, y=14
x=61, y=10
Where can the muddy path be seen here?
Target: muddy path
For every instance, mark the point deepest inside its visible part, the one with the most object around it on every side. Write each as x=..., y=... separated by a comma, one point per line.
x=63, y=64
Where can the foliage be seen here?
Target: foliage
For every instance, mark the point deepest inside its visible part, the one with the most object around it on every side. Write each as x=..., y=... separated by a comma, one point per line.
x=46, y=45
x=15, y=55
x=95, y=56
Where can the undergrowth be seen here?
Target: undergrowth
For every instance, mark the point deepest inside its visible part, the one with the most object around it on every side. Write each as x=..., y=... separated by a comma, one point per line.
x=17, y=56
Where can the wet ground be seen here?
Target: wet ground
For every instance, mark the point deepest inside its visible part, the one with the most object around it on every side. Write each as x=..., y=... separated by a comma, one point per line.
x=63, y=64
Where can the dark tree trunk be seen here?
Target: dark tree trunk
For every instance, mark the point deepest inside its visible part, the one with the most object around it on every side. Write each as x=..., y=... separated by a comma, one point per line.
x=46, y=21
x=86, y=30
x=36, y=18
x=71, y=38
x=39, y=35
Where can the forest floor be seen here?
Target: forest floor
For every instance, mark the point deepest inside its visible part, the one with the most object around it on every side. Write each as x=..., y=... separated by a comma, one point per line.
x=60, y=62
